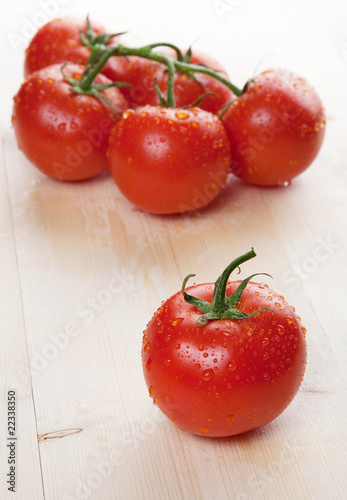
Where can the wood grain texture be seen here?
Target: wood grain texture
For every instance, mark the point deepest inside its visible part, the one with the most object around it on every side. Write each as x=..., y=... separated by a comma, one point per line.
x=15, y=365
x=82, y=271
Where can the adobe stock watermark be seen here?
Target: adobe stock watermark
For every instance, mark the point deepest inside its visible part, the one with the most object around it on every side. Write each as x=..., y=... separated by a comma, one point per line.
x=119, y=282
x=252, y=145
x=132, y=434
x=299, y=272
x=93, y=139
x=48, y=10
x=224, y=7
x=267, y=475
x=202, y=197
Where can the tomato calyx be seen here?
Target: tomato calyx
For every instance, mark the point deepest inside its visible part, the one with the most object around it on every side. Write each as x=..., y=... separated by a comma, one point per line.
x=89, y=38
x=101, y=52
x=222, y=306
x=85, y=85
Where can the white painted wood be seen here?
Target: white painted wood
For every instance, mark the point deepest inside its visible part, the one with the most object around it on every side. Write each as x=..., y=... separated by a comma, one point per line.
x=82, y=271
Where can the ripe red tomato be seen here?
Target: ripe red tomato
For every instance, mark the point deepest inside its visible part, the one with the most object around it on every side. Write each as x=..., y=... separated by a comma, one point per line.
x=275, y=128
x=169, y=160
x=224, y=376
x=57, y=42
x=141, y=74
x=63, y=134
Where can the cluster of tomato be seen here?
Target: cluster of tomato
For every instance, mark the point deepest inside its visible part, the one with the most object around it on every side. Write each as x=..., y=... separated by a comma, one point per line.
x=218, y=358
x=169, y=125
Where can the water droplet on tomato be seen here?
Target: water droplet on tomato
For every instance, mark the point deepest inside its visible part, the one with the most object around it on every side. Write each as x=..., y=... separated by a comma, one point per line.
x=250, y=331
x=281, y=330
x=201, y=347
x=266, y=376
x=168, y=361
x=265, y=342
x=207, y=374
x=148, y=364
x=289, y=321
x=266, y=355
x=147, y=347
x=62, y=127
x=176, y=321
x=151, y=390
x=227, y=334
x=232, y=365
x=230, y=420
x=177, y=346
x=204, y=429
x=182, y=115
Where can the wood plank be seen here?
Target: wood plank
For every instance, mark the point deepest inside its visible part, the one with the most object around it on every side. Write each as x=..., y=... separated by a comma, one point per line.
x=15, y=368
x=92, y=255
x=82, y=272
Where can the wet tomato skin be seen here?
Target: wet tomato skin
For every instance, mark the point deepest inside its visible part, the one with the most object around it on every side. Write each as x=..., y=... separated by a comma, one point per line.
x=276, y=128
x=58, y=41
x=169, y=160
x=63, y=134
x=228, y=376
x=142, y=73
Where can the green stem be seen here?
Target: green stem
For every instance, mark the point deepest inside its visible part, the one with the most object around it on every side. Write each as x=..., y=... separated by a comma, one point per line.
x=219, y=303
x=222, y=306
x=187, y=68
x=171, y=46
x=101, y=54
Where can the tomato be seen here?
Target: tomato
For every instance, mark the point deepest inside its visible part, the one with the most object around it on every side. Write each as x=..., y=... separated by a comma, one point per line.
x=275, y=128
x=56, y=42
x=63, y=134
x=188, y=90
x=169, y=160
x=141, y=73
x=216, y=376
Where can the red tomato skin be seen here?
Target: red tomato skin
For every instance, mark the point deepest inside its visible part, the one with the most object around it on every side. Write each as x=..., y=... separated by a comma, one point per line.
x=63, y=134
x=187, y=91
x=168, y=160
x=276, y=128
x=141, y=74
x=58, y=41
x=226, y=377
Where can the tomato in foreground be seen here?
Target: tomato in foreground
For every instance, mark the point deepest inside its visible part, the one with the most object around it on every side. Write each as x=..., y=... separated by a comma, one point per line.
x=275, y=128
x=219, y=364
x=169, y=160
x=65, y=135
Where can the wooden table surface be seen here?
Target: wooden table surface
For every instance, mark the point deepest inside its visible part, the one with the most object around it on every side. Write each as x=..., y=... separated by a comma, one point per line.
x=82, y=271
